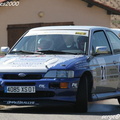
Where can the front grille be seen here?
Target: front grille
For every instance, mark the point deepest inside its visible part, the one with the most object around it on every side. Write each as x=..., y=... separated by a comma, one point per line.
x=19, y=83
x=38, y=94
x=17, y=77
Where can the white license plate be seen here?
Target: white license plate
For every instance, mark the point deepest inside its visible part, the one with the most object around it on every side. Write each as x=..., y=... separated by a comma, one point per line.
x=20, y=89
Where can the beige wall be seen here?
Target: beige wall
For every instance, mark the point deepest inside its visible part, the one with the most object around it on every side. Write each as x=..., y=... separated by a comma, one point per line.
x=54, y=11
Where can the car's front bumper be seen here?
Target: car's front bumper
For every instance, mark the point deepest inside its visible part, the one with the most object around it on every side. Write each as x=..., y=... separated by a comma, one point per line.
x=47, y=91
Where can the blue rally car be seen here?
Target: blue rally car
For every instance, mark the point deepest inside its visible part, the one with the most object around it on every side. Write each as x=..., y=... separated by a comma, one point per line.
x=61, y=64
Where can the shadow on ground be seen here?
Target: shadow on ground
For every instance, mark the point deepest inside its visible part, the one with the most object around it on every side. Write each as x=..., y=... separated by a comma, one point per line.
x=93, y=109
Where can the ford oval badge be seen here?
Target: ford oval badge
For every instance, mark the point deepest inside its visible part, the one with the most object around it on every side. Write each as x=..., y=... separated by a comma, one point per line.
x=21, y=74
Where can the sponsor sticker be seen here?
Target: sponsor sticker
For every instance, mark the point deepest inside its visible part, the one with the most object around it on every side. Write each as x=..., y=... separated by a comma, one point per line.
x=74, y=85
x=42, y=86
x=20, y=102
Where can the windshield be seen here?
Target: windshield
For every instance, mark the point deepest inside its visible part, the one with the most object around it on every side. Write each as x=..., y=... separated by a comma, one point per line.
x=57, y=42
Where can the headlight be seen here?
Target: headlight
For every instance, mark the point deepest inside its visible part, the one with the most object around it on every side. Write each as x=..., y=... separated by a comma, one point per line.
x=59, y=74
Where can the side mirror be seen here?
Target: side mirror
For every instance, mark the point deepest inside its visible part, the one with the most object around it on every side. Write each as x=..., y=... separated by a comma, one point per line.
x=101, y=50
x=5, y=50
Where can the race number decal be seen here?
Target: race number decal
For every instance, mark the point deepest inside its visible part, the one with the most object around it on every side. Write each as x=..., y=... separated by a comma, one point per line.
x=102, y=64
x=103, y=73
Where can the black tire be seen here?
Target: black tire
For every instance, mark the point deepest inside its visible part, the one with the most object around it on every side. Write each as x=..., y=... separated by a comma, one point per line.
x=82, y=95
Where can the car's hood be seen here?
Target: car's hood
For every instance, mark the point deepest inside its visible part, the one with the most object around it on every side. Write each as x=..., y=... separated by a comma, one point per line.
x=34, y=63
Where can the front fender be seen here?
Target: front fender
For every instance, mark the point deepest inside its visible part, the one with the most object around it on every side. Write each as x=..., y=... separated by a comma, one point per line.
x=79, y=73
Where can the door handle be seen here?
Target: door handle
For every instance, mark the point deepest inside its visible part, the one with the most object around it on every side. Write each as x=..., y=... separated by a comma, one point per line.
x=114, y=62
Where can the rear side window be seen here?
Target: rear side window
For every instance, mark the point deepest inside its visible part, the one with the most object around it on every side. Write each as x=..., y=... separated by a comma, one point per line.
x=115, y=41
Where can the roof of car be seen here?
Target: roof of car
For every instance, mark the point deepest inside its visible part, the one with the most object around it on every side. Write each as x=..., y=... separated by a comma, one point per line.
x=67, y=28
x=116, y=29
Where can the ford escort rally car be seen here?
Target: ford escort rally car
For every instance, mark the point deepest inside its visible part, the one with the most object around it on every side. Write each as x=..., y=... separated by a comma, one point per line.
x=61, y=64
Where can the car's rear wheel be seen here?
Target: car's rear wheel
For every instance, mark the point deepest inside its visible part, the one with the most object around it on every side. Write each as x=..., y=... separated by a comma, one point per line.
x=82, y=95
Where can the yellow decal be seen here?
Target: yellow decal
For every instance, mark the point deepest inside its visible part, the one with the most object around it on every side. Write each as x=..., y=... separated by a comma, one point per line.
x=81, y=33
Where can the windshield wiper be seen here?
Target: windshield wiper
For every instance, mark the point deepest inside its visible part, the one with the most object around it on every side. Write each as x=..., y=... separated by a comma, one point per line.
x=43, y=52
x=54, y=52
x=22, y=51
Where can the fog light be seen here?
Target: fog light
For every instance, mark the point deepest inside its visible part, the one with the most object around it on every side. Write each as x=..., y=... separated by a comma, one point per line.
x=57, y=85
x=54, y=85
x=63, y=85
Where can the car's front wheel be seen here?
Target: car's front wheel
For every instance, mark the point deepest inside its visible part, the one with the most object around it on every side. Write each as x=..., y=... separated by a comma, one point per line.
x=82, y=95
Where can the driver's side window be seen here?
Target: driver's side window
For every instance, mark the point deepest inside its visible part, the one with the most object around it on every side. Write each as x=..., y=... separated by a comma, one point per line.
x=99, y=39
